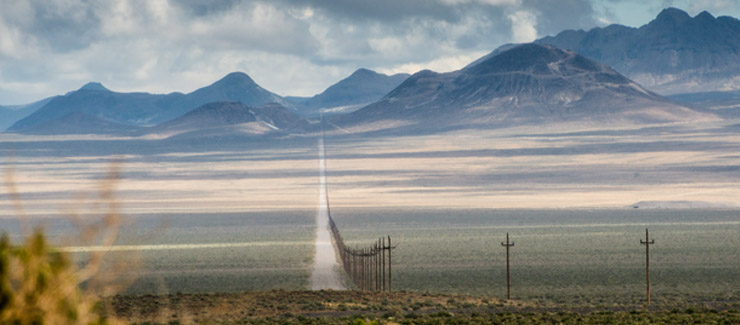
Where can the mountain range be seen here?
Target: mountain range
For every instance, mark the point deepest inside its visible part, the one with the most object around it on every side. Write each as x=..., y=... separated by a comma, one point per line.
x=271, y=118
x=674, y=53
x=144, y=109
x=97, y=103
x=527, y=84
x=575, y=76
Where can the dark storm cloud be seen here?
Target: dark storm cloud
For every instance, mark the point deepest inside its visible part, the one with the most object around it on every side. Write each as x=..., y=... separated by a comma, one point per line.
x=381, y=10
x=488, y=22
x=62, y=25
x=378, y=10
x=553, y=15
x=204, y=8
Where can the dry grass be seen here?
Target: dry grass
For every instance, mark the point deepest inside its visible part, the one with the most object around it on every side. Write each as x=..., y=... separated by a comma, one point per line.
x=234, y=307
x=356, y=307
x=41, y=285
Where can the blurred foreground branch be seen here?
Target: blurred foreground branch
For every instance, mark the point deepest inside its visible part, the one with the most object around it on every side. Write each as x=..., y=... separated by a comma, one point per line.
x=41, y=285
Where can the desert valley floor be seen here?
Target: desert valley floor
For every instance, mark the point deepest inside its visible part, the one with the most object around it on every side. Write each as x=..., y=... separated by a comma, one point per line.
x=230, y=214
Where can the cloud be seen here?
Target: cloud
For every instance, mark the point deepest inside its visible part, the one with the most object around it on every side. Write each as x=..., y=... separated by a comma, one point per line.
x=445, y=64
x=292, y=47
x=12, y=43
x=524, y=26
x=201, y=8
x=713, y=6
x=58, y=25
x=488, y=2
x=387, y=11
x=256, y=26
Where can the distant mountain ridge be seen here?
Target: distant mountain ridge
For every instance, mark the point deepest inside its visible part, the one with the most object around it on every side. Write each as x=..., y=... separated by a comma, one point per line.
x=674, y=53
x=267, y=119
x=99, y=104
x=236, y=86
x=11, y=115
x=528, y=84
x=80, y=123
x=362, y=87
x=144, y=109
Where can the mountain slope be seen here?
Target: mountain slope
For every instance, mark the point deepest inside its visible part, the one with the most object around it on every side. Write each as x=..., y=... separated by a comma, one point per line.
x=9, y=115
x=359, y=89
x=144, y=109
x=121, y=108
x=234, y=87
x=528, y=84
x=674, y=53
x=80, y=123
x=264, y=119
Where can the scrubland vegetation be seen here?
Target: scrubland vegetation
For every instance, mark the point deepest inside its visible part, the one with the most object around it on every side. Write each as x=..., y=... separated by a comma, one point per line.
x=589, y=258
x=41, y=285
x=354, y=307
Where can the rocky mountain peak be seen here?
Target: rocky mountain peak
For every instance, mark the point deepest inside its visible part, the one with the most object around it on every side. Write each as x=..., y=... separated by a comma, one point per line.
x=531, y=57
x=235, y=78
x=94, y=86
x=672, y=16
x=363, y=72
x=704, y=15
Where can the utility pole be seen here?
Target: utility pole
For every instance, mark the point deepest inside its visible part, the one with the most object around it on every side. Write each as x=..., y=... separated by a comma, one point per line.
x=647, y=244
x=382, y=262
x=508, y=274
x=390, y=273
x=355, y=267
x=364, y=269
x=367, y=269
x=376, y=259
x=345, y=256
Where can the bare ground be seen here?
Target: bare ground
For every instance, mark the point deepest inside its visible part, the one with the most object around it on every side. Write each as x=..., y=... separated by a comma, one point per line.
x=345, y=307
x=324, y=274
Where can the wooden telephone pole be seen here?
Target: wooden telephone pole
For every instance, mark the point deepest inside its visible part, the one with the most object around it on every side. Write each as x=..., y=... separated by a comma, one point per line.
x=382, y=266
x=508, y=274
x=647, y=244
x=390, y=274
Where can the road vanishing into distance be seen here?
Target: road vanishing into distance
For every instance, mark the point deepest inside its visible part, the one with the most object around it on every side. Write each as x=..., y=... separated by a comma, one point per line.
x=325, y=274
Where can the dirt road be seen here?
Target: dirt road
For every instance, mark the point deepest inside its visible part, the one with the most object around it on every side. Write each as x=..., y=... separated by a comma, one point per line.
x=325, y=273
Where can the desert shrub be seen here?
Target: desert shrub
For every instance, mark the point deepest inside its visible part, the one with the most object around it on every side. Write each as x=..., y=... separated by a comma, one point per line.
x=361, y=321
x=39, y=285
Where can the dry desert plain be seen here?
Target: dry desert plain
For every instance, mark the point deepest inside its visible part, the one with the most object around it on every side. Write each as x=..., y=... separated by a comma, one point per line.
x=237, y=213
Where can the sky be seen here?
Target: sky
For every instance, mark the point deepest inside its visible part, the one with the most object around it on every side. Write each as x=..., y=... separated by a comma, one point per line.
x=290, y=47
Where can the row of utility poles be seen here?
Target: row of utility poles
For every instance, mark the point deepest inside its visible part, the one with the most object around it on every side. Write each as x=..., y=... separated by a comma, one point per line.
x=370, y=268
x=647, y=242
x=365, y=266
